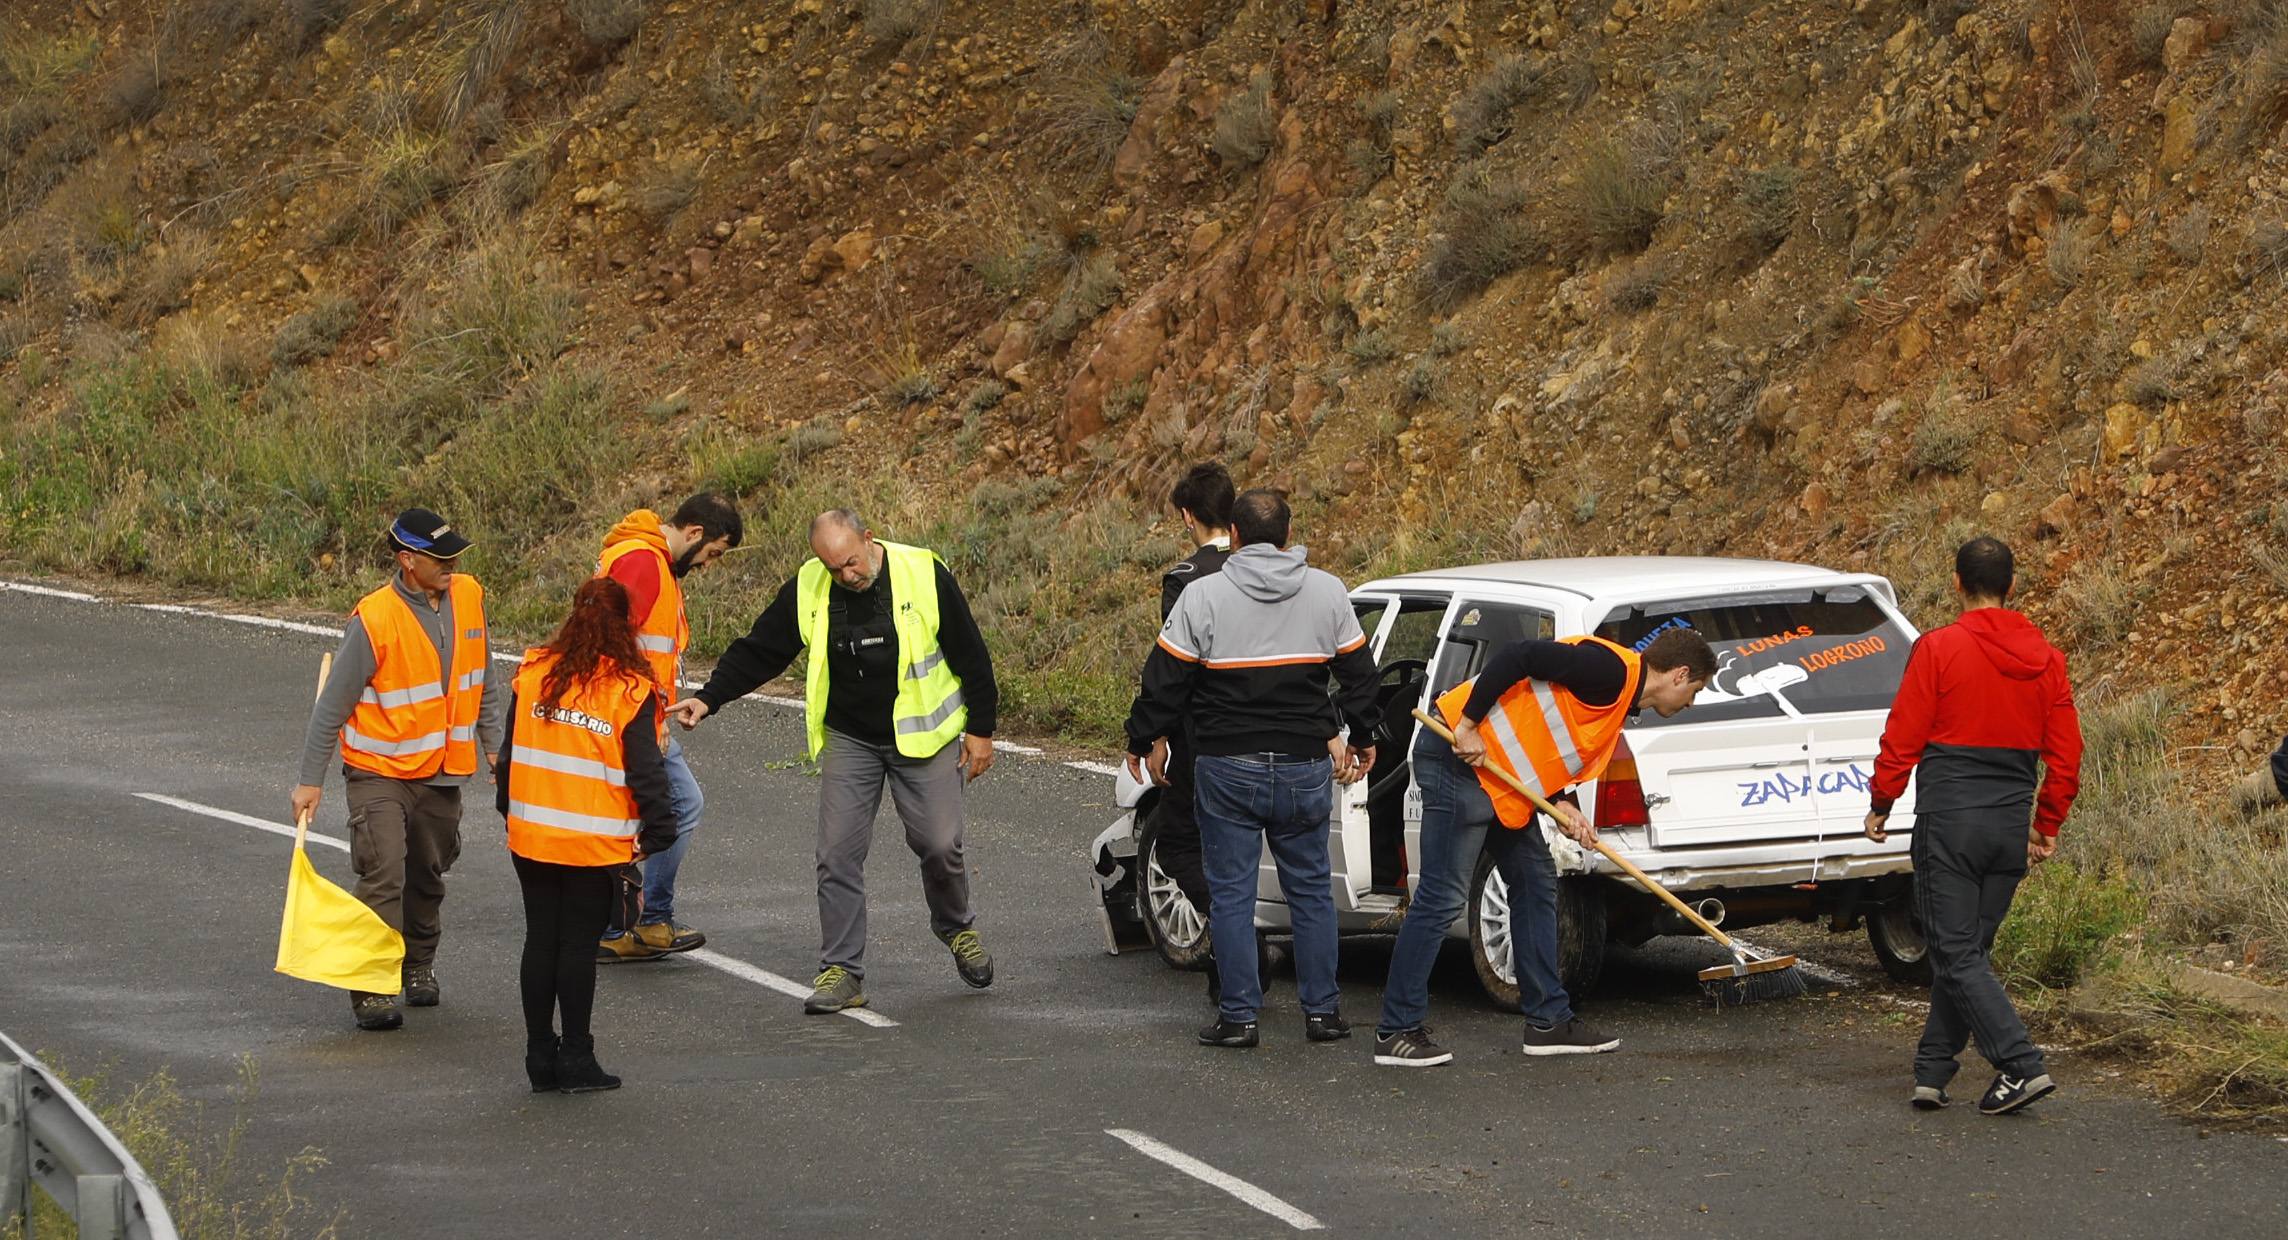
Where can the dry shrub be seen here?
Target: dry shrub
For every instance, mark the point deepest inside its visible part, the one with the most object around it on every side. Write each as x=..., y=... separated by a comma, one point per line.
x=1618, y=189
x=2067, y=258
x=1484, y=232
x=2149, y=33
x=2100, y=605
x=1768, y=200
x=1482, y=112
x=1089, y=96
x=1636, y=287
x=666, y=194
x=164, y=286
x=607, y=23
x=898, y=22
x=313, y=333
x=1245, y=126
x=2189, y=235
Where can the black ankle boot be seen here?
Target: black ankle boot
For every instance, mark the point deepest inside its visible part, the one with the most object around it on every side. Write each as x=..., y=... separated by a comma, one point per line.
x=577, y=1071
x=540, y=1063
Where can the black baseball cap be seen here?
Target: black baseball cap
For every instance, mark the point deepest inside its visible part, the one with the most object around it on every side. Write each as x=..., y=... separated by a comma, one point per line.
x=418, y=529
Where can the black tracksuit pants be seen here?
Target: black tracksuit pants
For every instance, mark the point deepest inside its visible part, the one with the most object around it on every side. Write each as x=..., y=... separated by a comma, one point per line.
x=1968, y=864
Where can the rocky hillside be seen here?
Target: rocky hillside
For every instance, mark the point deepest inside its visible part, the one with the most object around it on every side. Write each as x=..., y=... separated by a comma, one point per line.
x=1839, y=281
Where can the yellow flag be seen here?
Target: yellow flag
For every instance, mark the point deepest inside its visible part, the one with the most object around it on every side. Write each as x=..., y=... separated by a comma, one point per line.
x=329, y=936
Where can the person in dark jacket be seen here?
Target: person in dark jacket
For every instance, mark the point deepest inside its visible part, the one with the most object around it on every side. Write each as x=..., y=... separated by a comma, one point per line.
x=1246, y=658
x=584, y=787
x=1202, y=500
x=1983, y=701
x=898, y=694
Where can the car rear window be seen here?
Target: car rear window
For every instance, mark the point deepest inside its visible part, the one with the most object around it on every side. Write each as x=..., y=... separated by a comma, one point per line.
x=1827, y=651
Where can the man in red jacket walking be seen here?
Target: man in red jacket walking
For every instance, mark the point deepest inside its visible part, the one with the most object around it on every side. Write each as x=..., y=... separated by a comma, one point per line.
x=1983, y=700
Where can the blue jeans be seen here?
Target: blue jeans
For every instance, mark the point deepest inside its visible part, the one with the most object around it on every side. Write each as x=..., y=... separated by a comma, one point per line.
x=1244, y=803
x=659, y=869
x=1458, y=821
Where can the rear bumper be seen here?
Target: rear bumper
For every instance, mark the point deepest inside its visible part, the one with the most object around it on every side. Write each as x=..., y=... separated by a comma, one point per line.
x=1775, y=865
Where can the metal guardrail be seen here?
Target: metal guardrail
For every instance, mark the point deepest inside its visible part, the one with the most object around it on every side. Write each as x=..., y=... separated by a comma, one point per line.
x=49, y=1138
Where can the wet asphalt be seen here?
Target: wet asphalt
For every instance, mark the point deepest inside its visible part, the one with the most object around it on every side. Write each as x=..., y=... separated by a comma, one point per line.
x=136, y=937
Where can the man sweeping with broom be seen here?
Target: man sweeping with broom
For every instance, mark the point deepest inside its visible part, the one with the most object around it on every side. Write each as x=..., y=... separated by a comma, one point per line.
x=1549, y=714
x=1982, y=700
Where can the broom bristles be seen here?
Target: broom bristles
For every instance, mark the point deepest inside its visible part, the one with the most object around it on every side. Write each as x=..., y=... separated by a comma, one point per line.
x=1760, y=981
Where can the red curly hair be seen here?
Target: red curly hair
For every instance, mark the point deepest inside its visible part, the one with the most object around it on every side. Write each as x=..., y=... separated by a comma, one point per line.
x=596, y=637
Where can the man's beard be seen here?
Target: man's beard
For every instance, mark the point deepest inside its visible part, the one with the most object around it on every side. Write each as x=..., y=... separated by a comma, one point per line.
x=682, y=565
x=862, y=586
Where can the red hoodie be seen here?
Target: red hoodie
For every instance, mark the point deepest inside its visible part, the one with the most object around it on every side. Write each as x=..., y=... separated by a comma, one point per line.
x=1982, y=700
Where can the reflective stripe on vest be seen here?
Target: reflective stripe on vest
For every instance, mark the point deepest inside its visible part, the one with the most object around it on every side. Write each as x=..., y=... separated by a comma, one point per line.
x=569, y=801
x=1545, y=736
x=407, y=723
x=928, y=713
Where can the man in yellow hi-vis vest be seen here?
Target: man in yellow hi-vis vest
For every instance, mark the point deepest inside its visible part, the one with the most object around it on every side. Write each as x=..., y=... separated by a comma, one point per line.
x=899, y=691
x=412, y=708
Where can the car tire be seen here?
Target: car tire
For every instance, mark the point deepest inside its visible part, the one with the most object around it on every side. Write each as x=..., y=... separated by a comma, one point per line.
x=1178, y=931
x=1581, y=934
x=1896, y=934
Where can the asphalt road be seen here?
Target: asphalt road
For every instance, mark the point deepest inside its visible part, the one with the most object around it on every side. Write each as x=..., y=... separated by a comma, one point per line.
x=136, y=936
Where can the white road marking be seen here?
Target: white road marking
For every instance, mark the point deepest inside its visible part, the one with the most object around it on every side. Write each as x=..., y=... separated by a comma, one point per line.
x=784, y=985
x=48, y=592
x=737, y=968
x=1198, y=1170
x=319, y=630
x=244, y=820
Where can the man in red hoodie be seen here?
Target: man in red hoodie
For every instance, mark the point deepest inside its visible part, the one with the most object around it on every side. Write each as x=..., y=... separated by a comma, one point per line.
x=1982, y=702
x=651, y=558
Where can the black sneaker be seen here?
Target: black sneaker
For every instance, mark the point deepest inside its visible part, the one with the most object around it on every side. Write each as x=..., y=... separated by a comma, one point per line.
x=375, y=1012
x=1930, y=1098
x=421, y=985
x=1409, y=1048
x=1325, y=1026
x=1237, y=1035
x=1574, y=1037
x=2009, y=1093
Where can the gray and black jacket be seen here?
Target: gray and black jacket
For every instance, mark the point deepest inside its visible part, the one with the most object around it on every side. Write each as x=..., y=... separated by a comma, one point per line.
x=1246, y=656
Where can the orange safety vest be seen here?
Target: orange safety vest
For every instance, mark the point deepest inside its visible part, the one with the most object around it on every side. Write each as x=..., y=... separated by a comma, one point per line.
x=1546, y=736
x=666, y=632
x=568, y=797
x=416, y=719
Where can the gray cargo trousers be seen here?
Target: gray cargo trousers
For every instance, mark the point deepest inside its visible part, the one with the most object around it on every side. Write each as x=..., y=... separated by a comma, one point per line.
x=928, y=795
x=403, y=837
x=1968, y=864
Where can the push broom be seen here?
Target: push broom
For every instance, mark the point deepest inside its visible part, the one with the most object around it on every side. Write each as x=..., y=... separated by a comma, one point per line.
x=1750, y=978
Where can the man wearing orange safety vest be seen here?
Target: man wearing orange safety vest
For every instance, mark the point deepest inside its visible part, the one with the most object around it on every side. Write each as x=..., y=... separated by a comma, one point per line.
x=1550, y=713
x=410, y=705
x=651, y=558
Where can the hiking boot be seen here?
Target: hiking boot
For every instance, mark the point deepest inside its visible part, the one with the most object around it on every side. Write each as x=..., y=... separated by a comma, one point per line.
x=375, y=1012
x=664, y=938
x=540, y=1063
x=577, y=1071
x=2010, y=1093
x=1409, y=1048
x=421, y=985
x=1930, y=1098
x=969, y=958
x=1234, y=1034
x=612, y=949
x=1325, y=1027
x=834, y=989
x=1574, y=1037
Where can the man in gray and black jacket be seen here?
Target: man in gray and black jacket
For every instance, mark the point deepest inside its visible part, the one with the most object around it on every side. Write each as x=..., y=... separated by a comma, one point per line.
x=1247, y=656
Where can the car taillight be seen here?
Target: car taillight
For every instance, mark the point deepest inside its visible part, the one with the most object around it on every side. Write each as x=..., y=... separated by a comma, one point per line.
x=1620, y=797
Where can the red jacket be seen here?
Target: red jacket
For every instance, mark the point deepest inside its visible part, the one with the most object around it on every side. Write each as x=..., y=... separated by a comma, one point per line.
x=1981, y=700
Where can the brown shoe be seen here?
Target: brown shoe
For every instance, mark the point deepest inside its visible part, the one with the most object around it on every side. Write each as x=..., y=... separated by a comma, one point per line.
x=375, y=1012
x=621, y=947
x=664, y=938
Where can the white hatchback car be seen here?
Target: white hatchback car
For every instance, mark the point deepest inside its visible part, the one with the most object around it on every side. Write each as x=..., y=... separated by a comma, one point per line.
x=1749, y=802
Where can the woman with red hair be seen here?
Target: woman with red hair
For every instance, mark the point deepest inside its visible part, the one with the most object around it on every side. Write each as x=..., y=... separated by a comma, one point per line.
x=585, y=792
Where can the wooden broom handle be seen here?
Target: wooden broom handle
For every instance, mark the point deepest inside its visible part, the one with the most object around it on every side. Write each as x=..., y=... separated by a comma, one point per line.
x=1685, y=910
x=302, y=821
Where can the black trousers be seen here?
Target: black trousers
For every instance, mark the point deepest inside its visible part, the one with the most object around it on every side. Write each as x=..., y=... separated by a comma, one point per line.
x=565, y=908
x=1180, y=825
x=1968, y=864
